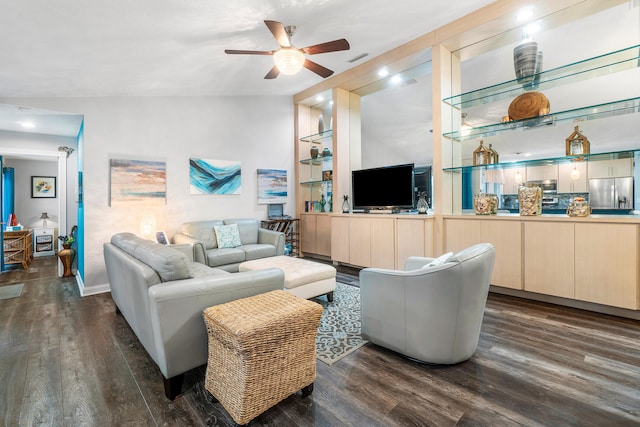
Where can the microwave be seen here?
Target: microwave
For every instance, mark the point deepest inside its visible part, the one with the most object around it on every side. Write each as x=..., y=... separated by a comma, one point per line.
x=547, y=185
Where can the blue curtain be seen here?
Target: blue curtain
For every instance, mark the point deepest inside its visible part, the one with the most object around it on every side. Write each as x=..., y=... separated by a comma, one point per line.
x=8, y=194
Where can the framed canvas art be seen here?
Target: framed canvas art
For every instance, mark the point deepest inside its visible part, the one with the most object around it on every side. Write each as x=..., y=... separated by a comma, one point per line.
x=161, y=237
x=137, y=181
x=272, y=186
x=43, y=187
x=208, y=176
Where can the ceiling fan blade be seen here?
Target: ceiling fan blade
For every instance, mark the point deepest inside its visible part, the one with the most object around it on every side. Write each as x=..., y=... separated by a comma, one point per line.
x=278, y=31
x=273, y=73
x=332, y=46
x=248, y=52
x=317, y=68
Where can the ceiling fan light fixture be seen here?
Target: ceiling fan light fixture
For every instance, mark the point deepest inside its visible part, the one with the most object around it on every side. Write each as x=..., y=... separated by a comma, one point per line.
x=289, y=60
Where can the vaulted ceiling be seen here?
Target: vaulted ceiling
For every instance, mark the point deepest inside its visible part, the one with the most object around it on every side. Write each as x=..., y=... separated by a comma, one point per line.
x=175, y=48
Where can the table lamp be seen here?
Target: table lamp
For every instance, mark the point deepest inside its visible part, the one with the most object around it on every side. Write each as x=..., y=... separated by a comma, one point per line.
x=44, y=217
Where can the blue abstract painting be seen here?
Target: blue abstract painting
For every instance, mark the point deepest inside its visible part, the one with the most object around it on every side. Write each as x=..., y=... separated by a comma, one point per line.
x=272, y=186
x=214, y=176
x=138, y=181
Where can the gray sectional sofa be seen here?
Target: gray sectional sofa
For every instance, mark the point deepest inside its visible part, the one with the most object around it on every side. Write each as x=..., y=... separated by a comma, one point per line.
x=255, y=242
x=161, y=293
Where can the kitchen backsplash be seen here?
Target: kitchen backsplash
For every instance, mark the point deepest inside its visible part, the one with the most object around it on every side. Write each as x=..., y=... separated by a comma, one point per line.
x=510, y=201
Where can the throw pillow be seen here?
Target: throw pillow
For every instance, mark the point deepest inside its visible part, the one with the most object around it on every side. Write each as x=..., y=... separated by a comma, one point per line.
x=228, y=236
x=440, y=260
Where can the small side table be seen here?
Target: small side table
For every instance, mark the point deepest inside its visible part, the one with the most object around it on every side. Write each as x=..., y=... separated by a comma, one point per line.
x=66, y=256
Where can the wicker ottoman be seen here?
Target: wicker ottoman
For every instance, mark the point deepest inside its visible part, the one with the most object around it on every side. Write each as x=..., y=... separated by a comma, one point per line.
x=262, y=349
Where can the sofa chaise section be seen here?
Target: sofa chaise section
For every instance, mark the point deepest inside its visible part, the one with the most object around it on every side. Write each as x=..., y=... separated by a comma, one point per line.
x=162, y=294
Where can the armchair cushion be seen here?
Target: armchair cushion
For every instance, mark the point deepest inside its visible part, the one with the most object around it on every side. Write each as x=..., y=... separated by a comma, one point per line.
x=225, y=256
x=440, y=260
x=202, y=231
x=227, y=236
x=169, y=263
x=258, y=251
x=248, y=229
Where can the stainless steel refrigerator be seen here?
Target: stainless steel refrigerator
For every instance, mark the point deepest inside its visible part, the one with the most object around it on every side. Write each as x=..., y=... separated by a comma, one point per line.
x=611, y=193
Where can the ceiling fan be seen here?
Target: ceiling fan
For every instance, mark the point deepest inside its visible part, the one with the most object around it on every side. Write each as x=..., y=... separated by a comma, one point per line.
x=290, y=59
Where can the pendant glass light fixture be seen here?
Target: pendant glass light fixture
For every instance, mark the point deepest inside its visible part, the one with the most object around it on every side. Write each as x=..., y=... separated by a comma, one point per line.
x=575, y=173
x=518, y=178
x=289, y=60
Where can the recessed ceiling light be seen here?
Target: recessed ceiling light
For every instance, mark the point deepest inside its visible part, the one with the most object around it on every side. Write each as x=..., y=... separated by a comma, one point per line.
x=525, y=13
x=396, y=79
x=28, y=125
x=319, y=98
x=531, y=29
x=383, y=72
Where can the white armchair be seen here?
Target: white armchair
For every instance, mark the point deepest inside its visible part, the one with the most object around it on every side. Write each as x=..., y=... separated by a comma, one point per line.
x=429, y=313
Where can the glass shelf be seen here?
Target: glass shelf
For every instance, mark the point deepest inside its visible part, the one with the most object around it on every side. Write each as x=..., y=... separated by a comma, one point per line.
x=317, y=161
x=550, y=161
x=609, y=63
x=312, y=183
x=318, y=137
x=617, y=108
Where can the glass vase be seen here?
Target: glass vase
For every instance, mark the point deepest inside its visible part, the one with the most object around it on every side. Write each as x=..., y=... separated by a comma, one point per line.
x=346, y=208
x=422, y=205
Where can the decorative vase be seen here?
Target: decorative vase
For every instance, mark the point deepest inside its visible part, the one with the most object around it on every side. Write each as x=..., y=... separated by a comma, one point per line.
x=422, y=203
x=314, y=152
x=530, y=199
x=323, y=202
x=346, y=208
x=525, y=59
x=66, y=257
x=326, y=152
x=485, y=204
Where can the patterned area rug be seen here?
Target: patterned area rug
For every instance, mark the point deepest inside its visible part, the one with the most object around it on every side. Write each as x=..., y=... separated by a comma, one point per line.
x=339, y=332
x=11, y=291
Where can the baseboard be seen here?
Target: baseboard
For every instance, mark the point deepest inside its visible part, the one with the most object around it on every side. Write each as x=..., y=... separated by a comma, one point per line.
x=582, y=305
x=91, y=290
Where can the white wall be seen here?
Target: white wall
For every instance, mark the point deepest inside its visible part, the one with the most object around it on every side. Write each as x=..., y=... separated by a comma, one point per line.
x=258, y=131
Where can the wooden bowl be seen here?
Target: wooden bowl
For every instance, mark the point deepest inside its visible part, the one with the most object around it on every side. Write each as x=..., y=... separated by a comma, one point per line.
x=528, y=105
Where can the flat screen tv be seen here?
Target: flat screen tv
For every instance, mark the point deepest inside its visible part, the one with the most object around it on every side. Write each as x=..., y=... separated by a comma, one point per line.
x=389, y=187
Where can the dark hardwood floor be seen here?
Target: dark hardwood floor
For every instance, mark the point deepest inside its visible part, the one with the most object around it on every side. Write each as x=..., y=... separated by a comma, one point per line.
x=71, y=361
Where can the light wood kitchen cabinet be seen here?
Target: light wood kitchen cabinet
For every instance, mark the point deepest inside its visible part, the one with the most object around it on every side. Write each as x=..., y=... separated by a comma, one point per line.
x=315, y=234
x=612, y=168
x=505, y=236
x=568, y=185
x=507, y=239
x=549, y=258
x=360, y=242
x=461, y=233
x=379, y=240
x=340, y=239
x=414, y=237
x=383, y=248
x=511, y=184
x=541, y=173
x=606, y=264
x=372, y=242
